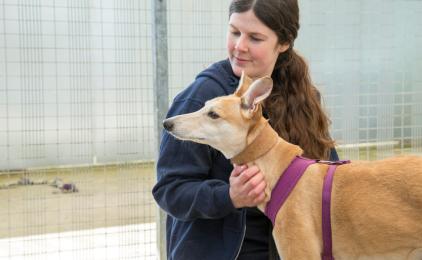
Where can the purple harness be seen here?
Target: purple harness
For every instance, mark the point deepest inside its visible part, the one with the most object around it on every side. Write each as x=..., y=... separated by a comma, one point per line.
x=286, y=184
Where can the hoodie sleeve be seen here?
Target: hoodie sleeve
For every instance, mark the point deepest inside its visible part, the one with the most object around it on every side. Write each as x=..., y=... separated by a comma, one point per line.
x=184, y=188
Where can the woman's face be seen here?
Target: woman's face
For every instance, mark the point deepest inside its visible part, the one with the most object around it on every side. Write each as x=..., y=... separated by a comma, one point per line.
x=252, y=46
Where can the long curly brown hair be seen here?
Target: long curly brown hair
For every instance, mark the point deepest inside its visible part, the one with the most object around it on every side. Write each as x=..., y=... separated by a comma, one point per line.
x=294, y=106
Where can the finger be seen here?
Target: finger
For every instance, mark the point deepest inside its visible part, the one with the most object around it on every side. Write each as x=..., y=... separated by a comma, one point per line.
x=237, y=170
x=259, y=199
x=251, y=171
x=258, y=189
x=254, y=169
x=247, y=174
x=257, y=178
x=254, y=179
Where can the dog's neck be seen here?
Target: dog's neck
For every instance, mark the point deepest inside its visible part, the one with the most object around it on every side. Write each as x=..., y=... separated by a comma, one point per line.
x=263, y=151
x=266, y=139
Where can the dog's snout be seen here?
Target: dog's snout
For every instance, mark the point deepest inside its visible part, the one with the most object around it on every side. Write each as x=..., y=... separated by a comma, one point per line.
x=168, y=125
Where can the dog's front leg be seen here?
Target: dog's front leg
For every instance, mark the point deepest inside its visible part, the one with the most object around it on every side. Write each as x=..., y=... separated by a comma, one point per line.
x=296, y=245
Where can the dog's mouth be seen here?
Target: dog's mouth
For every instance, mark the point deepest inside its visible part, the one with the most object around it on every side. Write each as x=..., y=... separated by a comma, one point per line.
x=197, y=139
x=188, y=138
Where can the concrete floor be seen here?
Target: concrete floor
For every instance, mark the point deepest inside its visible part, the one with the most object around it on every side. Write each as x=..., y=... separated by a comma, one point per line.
x=111, y=243
x=108, y=196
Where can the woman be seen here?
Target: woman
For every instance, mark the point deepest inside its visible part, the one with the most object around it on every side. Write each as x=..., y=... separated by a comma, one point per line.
x=211, y=205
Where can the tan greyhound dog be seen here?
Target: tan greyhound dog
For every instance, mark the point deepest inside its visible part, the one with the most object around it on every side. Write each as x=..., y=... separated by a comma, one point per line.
x=376, y=207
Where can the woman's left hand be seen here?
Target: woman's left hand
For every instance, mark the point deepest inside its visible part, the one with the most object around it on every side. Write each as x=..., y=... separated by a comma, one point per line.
x=247, y=186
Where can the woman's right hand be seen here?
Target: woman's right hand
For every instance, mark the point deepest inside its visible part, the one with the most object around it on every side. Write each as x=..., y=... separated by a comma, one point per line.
x=247, y=186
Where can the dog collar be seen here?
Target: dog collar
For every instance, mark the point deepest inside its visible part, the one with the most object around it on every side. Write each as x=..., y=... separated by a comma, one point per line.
x=265, y=140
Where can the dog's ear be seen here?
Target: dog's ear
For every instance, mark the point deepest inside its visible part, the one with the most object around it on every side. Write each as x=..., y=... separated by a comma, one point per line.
x=244, y=84
x=259, y=90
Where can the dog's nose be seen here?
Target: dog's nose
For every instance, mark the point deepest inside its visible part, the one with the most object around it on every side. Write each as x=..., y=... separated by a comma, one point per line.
x=168, y=125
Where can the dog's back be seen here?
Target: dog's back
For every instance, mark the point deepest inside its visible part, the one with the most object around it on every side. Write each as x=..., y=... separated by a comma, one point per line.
x=377, y=205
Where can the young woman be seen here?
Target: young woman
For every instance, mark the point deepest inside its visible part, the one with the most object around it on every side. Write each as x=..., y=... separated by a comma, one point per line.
x=211, y=205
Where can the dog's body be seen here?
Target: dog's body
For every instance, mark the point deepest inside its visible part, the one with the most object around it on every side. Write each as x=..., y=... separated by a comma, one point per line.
x=376, y=207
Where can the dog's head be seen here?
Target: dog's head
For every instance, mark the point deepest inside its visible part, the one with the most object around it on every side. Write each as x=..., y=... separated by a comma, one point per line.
x=224, y=122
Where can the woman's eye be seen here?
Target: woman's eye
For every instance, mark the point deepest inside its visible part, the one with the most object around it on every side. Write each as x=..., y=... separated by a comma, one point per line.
x=235, y=33
x=256, y=39
x=213, y=115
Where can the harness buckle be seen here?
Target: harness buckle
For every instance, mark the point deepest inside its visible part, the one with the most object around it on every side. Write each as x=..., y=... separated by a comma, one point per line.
x=333, y=162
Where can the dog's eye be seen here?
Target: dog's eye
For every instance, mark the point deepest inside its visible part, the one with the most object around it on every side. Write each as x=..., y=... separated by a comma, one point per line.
x=213, y=115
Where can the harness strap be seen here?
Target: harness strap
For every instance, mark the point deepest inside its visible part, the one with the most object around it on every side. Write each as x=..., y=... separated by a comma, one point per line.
x=285, y=185
x=327, y=253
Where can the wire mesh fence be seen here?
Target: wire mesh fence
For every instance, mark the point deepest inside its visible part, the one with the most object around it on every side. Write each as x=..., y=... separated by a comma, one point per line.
x=77, y=115
x=364, y=58
x=76, y=130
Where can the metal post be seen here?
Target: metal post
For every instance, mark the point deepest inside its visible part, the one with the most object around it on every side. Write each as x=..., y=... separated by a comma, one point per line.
x=161, y=99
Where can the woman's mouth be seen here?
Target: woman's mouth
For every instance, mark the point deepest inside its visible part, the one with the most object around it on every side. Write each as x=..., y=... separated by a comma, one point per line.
x=240, y=61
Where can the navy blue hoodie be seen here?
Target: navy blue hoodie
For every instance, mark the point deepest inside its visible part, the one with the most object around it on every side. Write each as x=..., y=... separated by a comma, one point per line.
x=192, y=186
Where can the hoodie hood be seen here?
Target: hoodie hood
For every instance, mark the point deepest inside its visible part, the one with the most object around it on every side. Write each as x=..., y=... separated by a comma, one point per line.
x=222, y=73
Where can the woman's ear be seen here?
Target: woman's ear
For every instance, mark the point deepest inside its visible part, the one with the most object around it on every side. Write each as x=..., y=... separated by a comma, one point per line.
x=283, y=47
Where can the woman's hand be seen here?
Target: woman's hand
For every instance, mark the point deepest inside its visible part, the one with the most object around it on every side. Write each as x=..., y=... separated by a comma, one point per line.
x=246, y=186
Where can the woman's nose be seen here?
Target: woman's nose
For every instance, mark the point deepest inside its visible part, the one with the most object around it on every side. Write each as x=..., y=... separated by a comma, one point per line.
x=241, y=44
